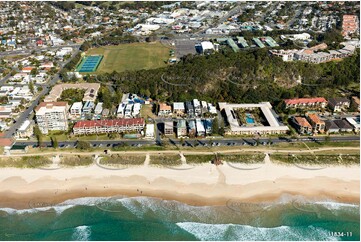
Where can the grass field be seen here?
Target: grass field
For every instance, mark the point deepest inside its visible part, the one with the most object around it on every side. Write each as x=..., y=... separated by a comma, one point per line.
x=134, y=56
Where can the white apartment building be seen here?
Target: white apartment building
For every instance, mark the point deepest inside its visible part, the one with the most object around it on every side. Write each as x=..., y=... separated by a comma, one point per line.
x=52, y=116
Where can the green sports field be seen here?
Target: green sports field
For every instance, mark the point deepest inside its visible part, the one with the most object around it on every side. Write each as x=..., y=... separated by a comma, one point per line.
x=134, y=56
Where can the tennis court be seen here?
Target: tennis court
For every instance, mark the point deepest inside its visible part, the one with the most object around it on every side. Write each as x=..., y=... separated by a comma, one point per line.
x=89, y=63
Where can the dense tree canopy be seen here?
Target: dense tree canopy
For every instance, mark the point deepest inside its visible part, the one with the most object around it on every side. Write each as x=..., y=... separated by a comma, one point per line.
x=251, y=76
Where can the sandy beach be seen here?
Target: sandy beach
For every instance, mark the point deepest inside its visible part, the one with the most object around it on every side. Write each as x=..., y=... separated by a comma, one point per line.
x=205, y=184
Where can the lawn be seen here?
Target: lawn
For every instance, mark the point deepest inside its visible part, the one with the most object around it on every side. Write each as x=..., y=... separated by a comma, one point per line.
x=134, y=56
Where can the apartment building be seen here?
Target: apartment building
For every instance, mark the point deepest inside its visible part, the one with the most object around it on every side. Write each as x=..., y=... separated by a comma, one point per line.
x=108, y=126
x=349, y=24
x=319, y=102
x=52, y=116
x=302, y=125
x=317, y=124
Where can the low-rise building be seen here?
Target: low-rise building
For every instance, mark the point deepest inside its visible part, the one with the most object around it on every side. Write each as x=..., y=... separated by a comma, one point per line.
x=317, y=124
x=98, y=108
x=208, y=125
x=343, y=125
x=181, y=128
x=192, y=128
x=319, y=102
x=197, y=107
x=201, y=131
x=179, y=109
x=149, y=131
x=88, y=107
x=108, y=126
x=75, y=109
x=355, y=123
x=302, y=125
x=338, y=104
x=164, y=109
x=168, y=127
x=271, y=126
x=331, y=127
x=190, y=109
x=25, y=130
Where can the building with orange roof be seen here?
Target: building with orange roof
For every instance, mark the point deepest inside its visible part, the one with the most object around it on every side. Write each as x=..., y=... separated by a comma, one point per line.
x=317, y=124
x=349, y=24
x=302, y=125
x=164, y=109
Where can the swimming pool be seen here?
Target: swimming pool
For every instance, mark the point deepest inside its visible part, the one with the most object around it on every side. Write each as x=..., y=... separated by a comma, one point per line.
x=249, y=118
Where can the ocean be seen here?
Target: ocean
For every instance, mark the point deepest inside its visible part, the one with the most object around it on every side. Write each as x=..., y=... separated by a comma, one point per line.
x=144, y=218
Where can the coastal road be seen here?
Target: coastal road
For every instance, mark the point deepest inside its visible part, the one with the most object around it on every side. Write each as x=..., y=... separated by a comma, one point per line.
x=196, y=142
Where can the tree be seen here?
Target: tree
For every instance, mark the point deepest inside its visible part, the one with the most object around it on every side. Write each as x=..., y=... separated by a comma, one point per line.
x=215, y=126
x=31, y=87
x=38, y=135
x=83, y=145
x=54, y=142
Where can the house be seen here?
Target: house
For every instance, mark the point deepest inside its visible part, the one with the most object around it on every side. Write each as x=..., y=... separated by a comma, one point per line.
x=75, y=109
x=355, y=123
x=98, y=108
x=197, y=107
x=121, y=110
x=168, y=127
x=319, y=102
x=331, y=127
x=5, y=111
x=164, y=109
x=181, y=128
x=149, y=131
x=204, y=107
x=179, y=109
x=338, y=104
x=190, y=109
x=208, y=123
x=343, y=125
x=200, y=128
x=212, y=109
x=191, y=128
x=136, y=109
x=25, y=130
x=88, y=107
x=128, y=110
x=317, y=124
x=302, y=125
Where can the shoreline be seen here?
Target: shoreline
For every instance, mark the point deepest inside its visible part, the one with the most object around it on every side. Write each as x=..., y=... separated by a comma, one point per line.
x=202, y=185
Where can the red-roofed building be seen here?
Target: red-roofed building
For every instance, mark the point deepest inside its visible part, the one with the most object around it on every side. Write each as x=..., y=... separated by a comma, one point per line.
x=306, y=102
x=108, y=126
x=318, y=125
x=302, y=125
x=349, y=24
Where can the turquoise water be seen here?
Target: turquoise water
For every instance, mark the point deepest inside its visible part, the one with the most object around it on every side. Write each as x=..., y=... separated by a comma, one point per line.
x=142, y=218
